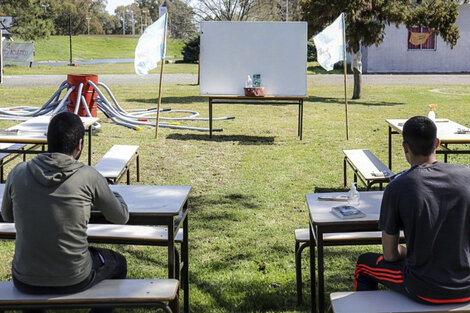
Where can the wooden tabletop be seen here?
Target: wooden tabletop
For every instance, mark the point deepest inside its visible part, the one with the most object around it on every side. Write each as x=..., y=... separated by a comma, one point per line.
x=241, y=97
x=447, y=130
x=320, y=210
x=34, y=130
x=153, y=200
x=147, y=200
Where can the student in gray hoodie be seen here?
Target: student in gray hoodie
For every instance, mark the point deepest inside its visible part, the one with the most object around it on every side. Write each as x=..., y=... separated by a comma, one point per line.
x=49, y=198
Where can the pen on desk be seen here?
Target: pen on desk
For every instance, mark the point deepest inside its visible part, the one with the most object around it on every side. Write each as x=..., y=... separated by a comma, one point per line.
x=10, y=131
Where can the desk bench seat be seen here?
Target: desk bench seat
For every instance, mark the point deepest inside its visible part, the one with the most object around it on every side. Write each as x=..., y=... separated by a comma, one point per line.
x=381, y=301
x=367, y=167
x=116, y=162
x=302, y=241
x=113, y=233
x=117, y=234
x=6, y=157
x=108, y=293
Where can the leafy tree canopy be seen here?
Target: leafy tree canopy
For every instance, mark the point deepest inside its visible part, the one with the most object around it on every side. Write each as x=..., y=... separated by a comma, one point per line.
x=29, y=21
x=366, y=19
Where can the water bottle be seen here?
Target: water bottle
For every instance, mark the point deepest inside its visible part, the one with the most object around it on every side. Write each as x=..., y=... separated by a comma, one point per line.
x=249, y=82
x=353, y=196
x=432, y=114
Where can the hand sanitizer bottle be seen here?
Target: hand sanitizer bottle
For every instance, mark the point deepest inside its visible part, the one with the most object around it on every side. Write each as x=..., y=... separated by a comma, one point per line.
x=353, y=196
x=432, y=114
x=249, y=82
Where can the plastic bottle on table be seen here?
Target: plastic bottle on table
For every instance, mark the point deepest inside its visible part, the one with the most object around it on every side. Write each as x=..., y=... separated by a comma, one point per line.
x=432, y=114
x=249, y=82
x=353, y=196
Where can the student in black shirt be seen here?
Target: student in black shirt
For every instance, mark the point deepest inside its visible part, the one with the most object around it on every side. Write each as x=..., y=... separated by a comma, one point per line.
x=430, y=202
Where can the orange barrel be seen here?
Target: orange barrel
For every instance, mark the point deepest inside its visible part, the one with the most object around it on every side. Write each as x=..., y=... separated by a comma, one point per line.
x=87, y=91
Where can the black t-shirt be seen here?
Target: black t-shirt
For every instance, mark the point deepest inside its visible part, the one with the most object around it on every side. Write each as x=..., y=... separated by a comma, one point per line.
x=431, y=203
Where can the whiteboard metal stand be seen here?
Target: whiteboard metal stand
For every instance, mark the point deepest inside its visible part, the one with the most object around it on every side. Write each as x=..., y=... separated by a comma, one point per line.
x=233, y=99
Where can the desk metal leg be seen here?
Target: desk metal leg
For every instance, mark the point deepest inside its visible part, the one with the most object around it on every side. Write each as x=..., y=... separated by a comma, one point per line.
x=89, y=145
x=137, y=165
x=171, y=249
x=301, y=118
x=389, y=147
x=185, y=259
x=313, y=292
x=321, y=268
x=445, y=154
x=210, y=117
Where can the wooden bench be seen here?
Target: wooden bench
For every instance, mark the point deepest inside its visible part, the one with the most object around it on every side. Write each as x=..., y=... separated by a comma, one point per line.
x=117, y=234
x=380, y=301
x=6, y=157
x=109, y=293
x=367, y=167
x=116, y=162
x=302, y=241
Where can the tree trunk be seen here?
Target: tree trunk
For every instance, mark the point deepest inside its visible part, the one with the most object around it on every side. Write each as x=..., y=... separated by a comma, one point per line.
x=357, y=84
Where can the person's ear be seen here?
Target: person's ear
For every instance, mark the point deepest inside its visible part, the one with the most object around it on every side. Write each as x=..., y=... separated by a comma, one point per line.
x=79, y=145
x=438, y=143
x=406, y=148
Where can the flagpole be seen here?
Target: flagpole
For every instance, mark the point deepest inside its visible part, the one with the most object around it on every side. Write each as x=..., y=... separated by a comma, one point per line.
x=159, y=98
x=160, y=87
x=345, y=72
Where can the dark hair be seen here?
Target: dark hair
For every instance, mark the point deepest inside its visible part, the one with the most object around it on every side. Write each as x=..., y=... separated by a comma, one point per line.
x=64, y=132
x=419, y=132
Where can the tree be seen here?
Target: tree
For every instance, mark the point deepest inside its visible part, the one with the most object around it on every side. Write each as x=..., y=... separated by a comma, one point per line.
x=149, y=9
x=29, y=21
x=191, y=50
x=111, y=24
x=247, y=10
x=80, y=13
x=366, y=21
x=130, y=17
x=223, y=10
x=180, y=20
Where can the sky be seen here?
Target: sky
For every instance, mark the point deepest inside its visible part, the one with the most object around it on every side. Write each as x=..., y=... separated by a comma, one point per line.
x=113, y=4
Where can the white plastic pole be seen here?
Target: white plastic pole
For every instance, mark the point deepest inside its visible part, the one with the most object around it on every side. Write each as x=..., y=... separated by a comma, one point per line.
x=345, y=72
x=1, y=57
x=160, y=86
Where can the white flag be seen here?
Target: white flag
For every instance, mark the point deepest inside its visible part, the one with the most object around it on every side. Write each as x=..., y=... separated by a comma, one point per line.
x=151, y=47
x=330, y=44
x=162, y=9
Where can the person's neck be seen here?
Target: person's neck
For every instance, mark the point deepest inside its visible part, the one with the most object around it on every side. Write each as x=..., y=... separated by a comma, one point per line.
x=423, y=160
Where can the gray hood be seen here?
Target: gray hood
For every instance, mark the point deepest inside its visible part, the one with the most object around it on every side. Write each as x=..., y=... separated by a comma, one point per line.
x=50, y=169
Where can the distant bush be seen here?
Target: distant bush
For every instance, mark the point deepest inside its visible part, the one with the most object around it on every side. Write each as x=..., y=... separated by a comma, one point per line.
x=190, y=50
x=311, y=51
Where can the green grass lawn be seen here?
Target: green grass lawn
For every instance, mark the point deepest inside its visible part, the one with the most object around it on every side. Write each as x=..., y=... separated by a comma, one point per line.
x=56, y=48
x=119, y=68
x=313, y=68
x=249, y=183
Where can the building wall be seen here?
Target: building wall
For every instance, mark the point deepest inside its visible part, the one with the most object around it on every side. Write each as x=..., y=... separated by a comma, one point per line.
x=393, y=56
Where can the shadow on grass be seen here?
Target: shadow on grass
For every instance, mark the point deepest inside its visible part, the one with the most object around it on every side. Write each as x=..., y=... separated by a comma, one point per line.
x=242, y=139
x=169, y=100
x=233, y=200
x=246, y=296
x=330, y=189
x=360, y=187
x=317, y=70
x=352, y=102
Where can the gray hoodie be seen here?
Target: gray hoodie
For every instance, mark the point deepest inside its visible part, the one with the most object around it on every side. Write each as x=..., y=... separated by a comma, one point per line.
x=49, y=198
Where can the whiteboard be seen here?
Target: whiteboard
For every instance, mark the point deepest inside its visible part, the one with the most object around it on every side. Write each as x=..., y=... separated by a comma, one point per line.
x=230, y=51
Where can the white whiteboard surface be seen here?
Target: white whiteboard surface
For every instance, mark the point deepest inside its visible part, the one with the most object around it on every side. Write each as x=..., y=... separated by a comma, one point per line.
x=230, y=51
